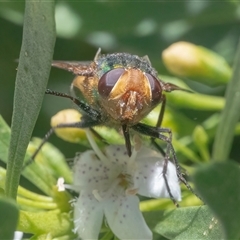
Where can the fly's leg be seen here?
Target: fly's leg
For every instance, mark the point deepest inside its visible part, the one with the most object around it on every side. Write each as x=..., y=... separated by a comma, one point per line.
x=159, y=124
x=126, y=135
x=179, y=172
x=92, y=113
x=97, y=135
x=157, y=133
x=84, y=123
x=167, y=153
x=91, y=119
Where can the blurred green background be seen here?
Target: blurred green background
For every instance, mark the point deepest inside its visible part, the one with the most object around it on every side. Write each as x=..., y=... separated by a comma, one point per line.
x=142, y=28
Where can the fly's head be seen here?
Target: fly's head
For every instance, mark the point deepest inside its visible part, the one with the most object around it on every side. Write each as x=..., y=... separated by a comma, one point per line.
x=124, y=88
x=129, y=89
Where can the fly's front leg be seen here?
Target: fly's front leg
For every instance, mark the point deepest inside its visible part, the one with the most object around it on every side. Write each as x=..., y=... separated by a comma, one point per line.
x=84, y=123
x=158, y=125
x=92, y=113
x=169, y=150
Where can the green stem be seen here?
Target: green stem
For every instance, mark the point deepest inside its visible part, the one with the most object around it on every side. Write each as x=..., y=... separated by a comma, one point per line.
x=230, y=115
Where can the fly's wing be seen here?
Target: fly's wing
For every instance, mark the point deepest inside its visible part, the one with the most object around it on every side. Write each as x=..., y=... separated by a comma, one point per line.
x=78, y=68
x=85, y=84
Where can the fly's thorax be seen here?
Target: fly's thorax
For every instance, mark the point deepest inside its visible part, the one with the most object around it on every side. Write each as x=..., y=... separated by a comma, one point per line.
x=105, y=63
x=128, y=94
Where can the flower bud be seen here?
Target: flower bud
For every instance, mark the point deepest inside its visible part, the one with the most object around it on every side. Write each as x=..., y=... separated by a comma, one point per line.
x=74, y=135
x=198, y=63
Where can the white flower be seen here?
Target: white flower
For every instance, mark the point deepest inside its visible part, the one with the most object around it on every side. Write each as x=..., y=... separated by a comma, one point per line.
x=108, y=183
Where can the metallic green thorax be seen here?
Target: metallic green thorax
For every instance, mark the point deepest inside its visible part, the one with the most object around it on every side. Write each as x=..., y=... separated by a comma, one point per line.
x=108, y=62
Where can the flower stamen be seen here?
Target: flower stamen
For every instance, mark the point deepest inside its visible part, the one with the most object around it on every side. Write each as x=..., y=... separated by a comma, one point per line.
x=131, y=191
x=96, y=194
x=112, y=188
x=124, y=180
x=95, y=147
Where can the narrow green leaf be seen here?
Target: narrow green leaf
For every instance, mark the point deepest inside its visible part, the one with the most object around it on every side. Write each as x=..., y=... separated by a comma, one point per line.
x=56, y=161
x=4, y=140
x=218, y=184
x=32, y=76
x=185, y=223
x=201, y=139
x=230, y=115
x=8, y=218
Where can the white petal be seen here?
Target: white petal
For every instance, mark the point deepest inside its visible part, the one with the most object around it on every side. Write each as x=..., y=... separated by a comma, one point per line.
x=117, y=154
x=18, y=235
x=90, y=173
x=88, y=216
x=173, y=182
x=149, y=178
x=125, y=219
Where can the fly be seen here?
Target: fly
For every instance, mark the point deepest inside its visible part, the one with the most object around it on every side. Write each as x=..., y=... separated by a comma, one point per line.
x=118, y=90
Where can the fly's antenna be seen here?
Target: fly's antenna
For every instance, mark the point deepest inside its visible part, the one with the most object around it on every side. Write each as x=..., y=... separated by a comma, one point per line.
x=169, y=87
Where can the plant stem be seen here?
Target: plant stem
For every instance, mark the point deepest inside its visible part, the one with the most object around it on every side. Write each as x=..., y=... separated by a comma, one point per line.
x=230, y=115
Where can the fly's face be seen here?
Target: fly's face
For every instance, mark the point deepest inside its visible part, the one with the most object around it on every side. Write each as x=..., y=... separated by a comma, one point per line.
x=128, y=94
x=128, y=87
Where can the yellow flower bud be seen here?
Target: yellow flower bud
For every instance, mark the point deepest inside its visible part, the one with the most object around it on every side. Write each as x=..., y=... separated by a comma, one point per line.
x=198, y=63
x=74, y=135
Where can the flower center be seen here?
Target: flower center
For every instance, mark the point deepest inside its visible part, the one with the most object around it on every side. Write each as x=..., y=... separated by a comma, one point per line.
x=124, y=180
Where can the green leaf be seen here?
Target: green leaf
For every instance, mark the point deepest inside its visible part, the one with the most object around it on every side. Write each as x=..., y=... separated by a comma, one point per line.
x=53, y=160
x=54, y=222
x=8, y=218
x=4, y=140
x=32, y=76
x=185, y=223
x=230, y=115
x=219, y=186
x=201, y=140
x=50, y=162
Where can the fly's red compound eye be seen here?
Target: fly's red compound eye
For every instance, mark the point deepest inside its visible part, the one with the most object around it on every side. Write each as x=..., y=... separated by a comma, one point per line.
x=108, y=81
x=156, y=88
